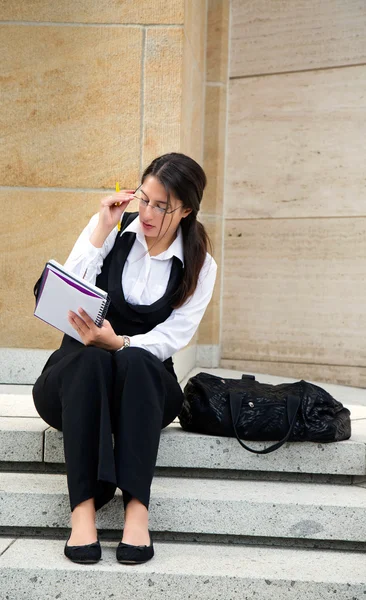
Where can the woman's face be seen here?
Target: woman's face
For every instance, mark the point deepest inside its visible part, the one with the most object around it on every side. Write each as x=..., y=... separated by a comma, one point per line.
x=152, y=219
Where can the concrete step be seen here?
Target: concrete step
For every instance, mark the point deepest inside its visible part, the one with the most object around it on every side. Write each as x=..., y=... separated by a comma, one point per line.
x=26, y=438
x=182, y=449
x=33, y=569
x=259, y=509
x=22, y=439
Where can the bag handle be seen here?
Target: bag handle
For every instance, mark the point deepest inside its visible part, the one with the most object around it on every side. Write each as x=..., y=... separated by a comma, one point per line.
x=293, y=405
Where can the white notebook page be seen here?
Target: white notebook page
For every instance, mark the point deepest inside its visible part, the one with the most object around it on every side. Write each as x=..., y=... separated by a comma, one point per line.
x=58, y=297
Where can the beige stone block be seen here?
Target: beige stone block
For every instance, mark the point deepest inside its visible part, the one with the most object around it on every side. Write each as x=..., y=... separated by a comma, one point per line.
x=186, y=101
x=193, y=341
x=209, y=329
x=103, y=11
x=192, y=106
x=198, y=115
x=273, y=37
x=294, y=291
x=70, y=105
x=214, y=148
x=162, y=92
x=35, y=226
x=296, y=145
x=341, y=375
x=195, y=28
x=217, y=40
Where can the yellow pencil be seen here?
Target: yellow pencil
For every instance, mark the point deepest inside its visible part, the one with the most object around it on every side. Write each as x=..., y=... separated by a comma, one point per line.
x=118, y=204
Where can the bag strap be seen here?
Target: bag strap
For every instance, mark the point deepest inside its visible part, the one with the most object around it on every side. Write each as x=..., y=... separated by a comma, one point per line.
x=293, y=405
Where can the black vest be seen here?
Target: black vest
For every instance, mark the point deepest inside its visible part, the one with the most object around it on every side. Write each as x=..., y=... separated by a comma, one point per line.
x=125, y=318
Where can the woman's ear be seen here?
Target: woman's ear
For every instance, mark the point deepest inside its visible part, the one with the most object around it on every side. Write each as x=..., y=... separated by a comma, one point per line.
x=186, y=212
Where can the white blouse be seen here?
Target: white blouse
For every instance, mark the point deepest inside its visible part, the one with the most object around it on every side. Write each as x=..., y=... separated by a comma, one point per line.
x=144, y=280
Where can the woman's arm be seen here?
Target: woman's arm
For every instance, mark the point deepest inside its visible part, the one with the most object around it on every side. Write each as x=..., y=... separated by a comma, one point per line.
x=179, y=328
x=97, y=238
x=85, y=259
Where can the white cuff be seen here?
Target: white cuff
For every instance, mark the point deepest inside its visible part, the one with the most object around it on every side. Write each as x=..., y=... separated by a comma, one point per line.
x=91, y=251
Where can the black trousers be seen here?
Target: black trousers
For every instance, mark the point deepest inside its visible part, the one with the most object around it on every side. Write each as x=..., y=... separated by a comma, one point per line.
x=91, y=393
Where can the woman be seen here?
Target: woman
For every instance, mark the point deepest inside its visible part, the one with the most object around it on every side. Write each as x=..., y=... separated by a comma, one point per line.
x=121, y=379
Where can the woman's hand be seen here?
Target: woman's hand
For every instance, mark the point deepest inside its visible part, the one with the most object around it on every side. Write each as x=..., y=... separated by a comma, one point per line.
x=91, y=335
x=110, y=213
x=112, y=208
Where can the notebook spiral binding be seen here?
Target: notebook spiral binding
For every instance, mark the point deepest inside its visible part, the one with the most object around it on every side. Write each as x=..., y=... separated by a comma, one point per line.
x=102, y=312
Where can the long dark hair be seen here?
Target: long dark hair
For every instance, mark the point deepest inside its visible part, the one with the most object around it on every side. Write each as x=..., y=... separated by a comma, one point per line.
x=185, y=179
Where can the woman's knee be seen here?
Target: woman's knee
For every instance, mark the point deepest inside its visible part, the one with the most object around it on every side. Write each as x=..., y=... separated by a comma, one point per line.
x=47, y=402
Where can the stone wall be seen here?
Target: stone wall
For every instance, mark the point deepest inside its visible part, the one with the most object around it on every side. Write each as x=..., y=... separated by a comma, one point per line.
x=216, y=89
x=295, y=209
x=91, y=93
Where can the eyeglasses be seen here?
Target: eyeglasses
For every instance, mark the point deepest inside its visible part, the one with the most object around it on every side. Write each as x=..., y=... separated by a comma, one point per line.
x=145, y=203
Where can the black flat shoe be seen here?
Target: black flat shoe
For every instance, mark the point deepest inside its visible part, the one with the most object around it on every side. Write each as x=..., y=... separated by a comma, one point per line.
x=128, y=554
x=87, y=554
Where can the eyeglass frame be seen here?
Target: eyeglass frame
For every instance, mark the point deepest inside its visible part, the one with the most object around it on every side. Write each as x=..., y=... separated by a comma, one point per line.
x=156, y=208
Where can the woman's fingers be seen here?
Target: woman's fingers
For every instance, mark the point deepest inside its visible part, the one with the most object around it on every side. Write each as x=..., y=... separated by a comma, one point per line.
x=86, y=319
x=77, y=322
x=90, y=334
x=113, y=207
x=118, y=197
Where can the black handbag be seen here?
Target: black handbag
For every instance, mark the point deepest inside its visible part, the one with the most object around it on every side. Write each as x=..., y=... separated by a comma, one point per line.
x=244, y=408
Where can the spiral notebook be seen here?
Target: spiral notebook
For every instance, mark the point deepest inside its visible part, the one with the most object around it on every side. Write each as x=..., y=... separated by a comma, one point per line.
x=61, y=291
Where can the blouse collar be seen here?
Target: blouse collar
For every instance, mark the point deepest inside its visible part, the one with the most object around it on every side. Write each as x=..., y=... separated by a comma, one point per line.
x=175, y=248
